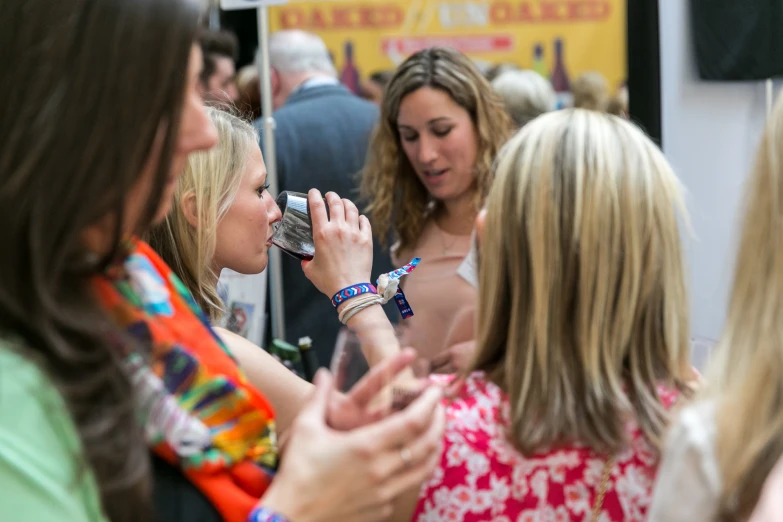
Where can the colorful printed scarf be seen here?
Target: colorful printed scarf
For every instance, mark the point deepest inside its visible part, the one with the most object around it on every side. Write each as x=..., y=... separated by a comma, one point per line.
x=200, y=412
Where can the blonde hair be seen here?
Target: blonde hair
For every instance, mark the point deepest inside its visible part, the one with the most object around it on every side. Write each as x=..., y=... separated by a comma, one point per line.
x=582, y=298
x=525, y=94
x=399, y=201
x=745, y=375
x=590, y=92
x=212, y=178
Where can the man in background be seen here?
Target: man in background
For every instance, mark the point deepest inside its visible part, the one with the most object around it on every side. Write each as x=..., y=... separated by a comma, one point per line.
x=321, y=137
x=372, y=88
x=218, y=78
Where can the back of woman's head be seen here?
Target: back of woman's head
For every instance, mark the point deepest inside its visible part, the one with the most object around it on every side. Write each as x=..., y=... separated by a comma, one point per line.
x=186, y=240
x=525, y=94
x=389, y=179
x=745, y=376
x=582, y=300
x=87, y=88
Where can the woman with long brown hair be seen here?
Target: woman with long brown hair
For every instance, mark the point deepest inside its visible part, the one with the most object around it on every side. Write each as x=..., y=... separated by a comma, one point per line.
x=428, y=173
x=723, y=447
x=104, y=356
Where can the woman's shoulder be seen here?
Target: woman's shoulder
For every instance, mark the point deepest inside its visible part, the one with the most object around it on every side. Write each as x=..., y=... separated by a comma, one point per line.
x=474, y=406
x=39, y=446
x=29, y=401
x=689, y=479
x=691, y=439
x=31, y=407
x=20, y=377
x=694, y=427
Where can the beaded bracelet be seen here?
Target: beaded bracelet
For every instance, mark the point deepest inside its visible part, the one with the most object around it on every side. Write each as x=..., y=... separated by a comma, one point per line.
x=352, y=291
x=262, y=514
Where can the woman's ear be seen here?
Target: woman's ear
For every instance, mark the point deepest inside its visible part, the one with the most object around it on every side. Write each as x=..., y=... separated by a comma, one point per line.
x=481, y=219
x=187, y=205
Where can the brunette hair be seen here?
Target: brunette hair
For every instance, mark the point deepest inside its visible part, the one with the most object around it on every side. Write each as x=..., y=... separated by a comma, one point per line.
x=69, y=155
x=216, y=44
x=400, y=201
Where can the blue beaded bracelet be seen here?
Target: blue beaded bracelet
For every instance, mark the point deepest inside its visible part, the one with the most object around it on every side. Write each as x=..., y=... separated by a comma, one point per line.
x=352, y=291
x=262, y=514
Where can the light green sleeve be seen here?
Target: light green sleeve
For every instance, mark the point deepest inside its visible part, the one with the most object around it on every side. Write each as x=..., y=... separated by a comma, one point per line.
x=40, y=474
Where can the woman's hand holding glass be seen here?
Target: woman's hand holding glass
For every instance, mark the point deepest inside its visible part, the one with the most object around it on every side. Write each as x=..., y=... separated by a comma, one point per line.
x=354, y=476
x=360, y=405
x=343, y=244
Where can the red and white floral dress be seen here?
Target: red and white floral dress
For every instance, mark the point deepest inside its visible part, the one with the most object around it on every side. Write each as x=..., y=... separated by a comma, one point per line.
x=481, y=477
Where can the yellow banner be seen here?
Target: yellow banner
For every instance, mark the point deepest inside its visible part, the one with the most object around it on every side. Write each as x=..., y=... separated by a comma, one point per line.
x=558, y=38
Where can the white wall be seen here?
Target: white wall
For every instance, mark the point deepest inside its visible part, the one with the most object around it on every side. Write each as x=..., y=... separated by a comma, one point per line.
x=710, y=133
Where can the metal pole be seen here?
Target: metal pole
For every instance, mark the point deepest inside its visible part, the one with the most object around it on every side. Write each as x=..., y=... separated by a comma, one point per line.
x=275, y=262
x=214, y=18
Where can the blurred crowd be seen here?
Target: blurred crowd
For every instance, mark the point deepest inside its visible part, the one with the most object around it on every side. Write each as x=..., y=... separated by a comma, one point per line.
x=510, y=274
x=525, y=93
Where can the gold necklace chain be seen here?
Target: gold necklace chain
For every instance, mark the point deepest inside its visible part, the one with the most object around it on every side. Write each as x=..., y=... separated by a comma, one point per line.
x=443, y=241
x=599, y=499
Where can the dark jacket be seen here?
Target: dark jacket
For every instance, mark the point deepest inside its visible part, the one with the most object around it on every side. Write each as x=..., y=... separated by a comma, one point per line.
x=321, y=138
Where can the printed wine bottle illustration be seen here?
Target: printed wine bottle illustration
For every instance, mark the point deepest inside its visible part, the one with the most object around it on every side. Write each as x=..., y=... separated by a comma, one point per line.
x=349, y=76
x=538, y=60
x=559, y=78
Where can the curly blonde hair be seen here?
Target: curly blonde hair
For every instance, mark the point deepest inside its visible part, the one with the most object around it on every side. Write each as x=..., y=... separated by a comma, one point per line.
x=399, y=202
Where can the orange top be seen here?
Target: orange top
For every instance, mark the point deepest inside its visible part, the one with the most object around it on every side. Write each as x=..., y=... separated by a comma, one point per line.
x=200, y=411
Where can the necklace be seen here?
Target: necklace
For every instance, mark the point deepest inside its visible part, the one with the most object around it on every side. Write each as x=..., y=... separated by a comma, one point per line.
x=446, y=247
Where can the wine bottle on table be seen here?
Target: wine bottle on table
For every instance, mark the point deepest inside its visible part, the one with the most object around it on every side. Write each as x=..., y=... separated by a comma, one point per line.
x=538, y=60
x=559, y=78
x=349, y=75
x=309, y=358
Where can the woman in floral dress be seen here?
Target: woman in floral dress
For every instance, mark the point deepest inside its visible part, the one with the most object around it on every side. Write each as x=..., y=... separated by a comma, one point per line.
x=582, y=333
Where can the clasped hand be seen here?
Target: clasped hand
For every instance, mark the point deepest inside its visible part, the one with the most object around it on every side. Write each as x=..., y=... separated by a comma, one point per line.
x=356, y=475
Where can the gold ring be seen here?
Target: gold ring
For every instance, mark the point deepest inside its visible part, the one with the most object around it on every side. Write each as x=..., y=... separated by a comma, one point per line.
x=407, y=458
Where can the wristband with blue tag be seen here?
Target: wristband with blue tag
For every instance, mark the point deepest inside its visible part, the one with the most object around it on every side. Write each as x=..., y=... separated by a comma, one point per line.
x=262, y=514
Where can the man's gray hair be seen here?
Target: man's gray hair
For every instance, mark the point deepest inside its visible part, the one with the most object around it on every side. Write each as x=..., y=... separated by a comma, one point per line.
x=294, y=51
x=525, y=94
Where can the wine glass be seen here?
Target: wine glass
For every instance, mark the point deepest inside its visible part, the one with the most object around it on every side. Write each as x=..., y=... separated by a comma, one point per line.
x=293, y=234
x=349, y=365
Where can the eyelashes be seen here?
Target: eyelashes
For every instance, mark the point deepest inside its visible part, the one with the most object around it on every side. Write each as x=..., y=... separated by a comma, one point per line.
x=440, y=133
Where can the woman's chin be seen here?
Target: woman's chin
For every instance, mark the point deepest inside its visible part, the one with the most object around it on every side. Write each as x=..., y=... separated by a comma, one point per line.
x=258, y=265
x=262, y=266
x=250, y=266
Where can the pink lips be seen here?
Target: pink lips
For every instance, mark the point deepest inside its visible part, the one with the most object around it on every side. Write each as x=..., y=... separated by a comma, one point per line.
x=434, y=176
